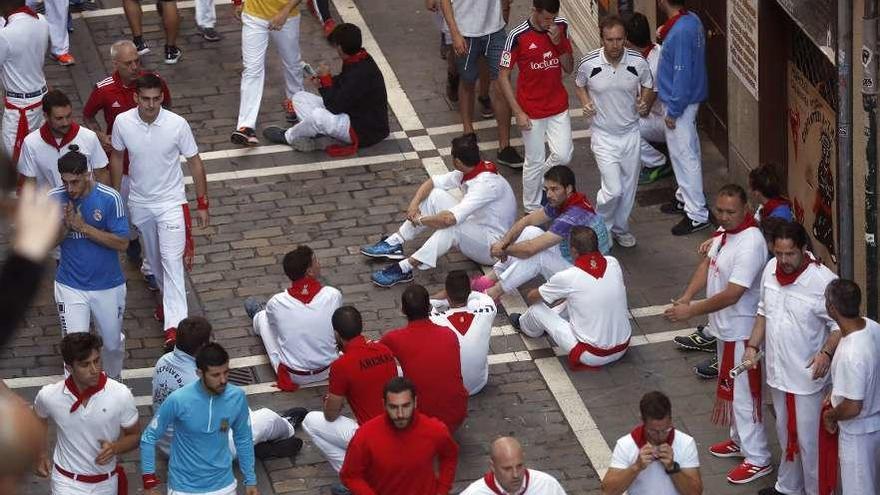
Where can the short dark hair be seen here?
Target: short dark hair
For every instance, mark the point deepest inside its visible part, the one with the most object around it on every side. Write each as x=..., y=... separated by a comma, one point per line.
x=347, y=322
x=78, y=346
x=347, y=37
x=148, y=81
x=193, y=333
x=583, y=239
x=415, y=302
x=638, y=32
x=845, y=296
x=211, y=354
x=9, y=5
x=465, y=149
x=608, y=22
x=397, y=385
x=677, y=3
x=73, y=162
x=792, y=231
x=765, y=180
x=734, y=191
x=458, y=286
x=562, y=175
x=297, y=262
x=655, y=405
x=551, y=6
x=53, y=99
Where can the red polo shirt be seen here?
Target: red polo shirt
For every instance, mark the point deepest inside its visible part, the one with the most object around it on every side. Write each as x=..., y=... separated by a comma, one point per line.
x=360, y=375
x=429, y=355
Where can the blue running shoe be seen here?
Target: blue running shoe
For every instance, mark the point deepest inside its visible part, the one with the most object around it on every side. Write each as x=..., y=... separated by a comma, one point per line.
x=151, y=282
x=391, y=276
x=383, y=250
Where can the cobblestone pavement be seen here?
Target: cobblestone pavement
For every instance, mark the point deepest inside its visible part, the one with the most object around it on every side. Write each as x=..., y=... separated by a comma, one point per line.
x=266, y=201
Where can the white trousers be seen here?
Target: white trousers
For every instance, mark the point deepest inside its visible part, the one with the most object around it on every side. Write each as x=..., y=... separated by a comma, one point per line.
x=556, y=131
x=514, y=272
x=541, y=318
x=314, y=119
x=206, y=13
x=76, y=308
x=9, y=124
x=56, y=15
x=652, y=129
x=273, y=350
x=800, y=476
x=266, y=426
x=163, y=234
x=227, y=490
x=859, y=463
x=471, y=239
x=255, y=36
x=684, y=151
x=744, y=431
x=617, y=157
x=124, y=190
x=62, y=485
x=331, y=437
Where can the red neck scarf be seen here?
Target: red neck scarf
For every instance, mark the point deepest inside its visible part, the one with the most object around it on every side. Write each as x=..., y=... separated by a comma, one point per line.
x=489, y=479
x=479, y=168
x=576, y=200
x=789, y=278
x=667, y=26
x=648, y=50
x=723, y=411
x=748, y=221
x=85, y=394
x=304, y=289
x=771, y=205
x=593, y=263
x=638, y=436
x=22, y=10
x=828, y=457
x=357, y=57
x=49, y=138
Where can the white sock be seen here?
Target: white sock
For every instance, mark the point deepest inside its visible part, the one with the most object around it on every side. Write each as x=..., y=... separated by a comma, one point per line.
x=394, y=239
x=405, y=266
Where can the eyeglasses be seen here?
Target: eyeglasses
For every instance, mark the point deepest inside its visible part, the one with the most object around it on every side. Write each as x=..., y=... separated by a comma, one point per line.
x=660, y=433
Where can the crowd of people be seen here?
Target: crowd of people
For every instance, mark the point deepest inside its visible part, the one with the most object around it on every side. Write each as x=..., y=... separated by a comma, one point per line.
x=777, y=315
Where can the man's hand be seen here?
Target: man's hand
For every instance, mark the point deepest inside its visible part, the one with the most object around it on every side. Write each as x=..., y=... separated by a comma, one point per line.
x=670, y=122
x=277, y=21
x=555, y=34
x=679, y=311
x=829, y=421
x=322, y=70
x=108, y=451
x=73, y=219
x=413, y=212
x=645, y=458
x=497, y=251
x=589, y=109
x=431, y=5
x=43, y=467
x=37, y=222
x=251, y=490
x=459, y=44
x=705, y=247
x=642, y=107
x=236, y=12
x=749, y=355
x=665, y=455
x=104, y=139
x=820, y=364
x=523, y=122
x=202, y=218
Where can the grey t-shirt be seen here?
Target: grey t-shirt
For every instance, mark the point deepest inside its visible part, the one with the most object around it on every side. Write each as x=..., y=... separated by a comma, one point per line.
x=477, y=18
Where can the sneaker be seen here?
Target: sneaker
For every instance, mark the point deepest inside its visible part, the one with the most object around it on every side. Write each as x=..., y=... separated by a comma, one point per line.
x=697, y=341
x=172, y=55
x=288, y=447
x=651, y=175
x=514, y=320
x=770, y=490
x=64, y=59
x=383, y=249
x=152, y=284
x=687, y=226
x=725, y=449
x=245, y=136
x=486, y=107
x=339, y=489
x=252, y=306
x=289, y=111
x=209, y=33
x=329, y=26
x=170, y=339
x=159, y=313
x=674, y=207
x=707, y=369
x=745, y=473
x=294, y=415
x=452, y=87
x=142, y=47
x=391, y=276
x=133, y=253
x=625, y=240
x=275, y=134
x=508, y=156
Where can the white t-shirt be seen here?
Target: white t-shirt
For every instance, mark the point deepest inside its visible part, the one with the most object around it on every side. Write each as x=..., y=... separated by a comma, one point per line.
x=614, y=89
x=79, y=432
x=23, y=44
x=154, y=152
x=488, y=201
x=472, y=324
x=39, y=159
x=653, y=480
x=477, y=17
x=597, y=308
x=797, y=327
x=855, y=375
x=305, y=334
x=539, y=483
x=739, y=262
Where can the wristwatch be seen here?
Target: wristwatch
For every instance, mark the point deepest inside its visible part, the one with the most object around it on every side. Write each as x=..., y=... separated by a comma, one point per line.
x=674, y=469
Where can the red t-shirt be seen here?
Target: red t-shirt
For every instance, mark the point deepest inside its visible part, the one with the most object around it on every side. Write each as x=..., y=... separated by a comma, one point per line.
x=360, y=375
x=384, y=460
x=539, y=89
x=429, y=355
x=113, y=97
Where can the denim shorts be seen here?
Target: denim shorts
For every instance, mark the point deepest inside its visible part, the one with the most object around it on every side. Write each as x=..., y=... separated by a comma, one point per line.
x=489, y=47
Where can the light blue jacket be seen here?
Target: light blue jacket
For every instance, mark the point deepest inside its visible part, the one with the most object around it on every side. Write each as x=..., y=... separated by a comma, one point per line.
x=681, y=73
x=173, y=370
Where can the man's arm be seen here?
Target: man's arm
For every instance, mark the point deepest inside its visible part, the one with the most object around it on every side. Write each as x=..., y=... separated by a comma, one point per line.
x=116, y=158
x=333, y=406
x=447, y=455
x=355, y=466
x=126, y=442
x=459, y=44
x=200, y=179
x=531, y=247
x=688, y=481
x=102, y=175
x=522, y=120
x=681, y=75
x=727, y=297
x=413, y=211
x=152, y=433
x=74, y=220
x=847, y=409
x=616, y=481
x=242, y=436
x=537, y=217
x=279, y=19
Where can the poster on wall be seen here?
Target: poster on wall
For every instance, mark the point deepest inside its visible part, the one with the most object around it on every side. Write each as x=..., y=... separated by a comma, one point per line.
x=811, y=163
x=742, y=42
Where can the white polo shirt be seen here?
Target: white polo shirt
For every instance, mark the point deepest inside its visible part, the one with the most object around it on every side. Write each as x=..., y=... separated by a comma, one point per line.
x=855, y=375
x=614, y=89
x=597, y=308
x=797, y=327
x=538, y=483
x=739, y=262
x=653, y=58
x=304, y=332
x=154, y=152
x=653, y=480
x=476, y=18
x=488, y=201
x=39, y=159
x=79, y=432
x=472, y=324
x=23, y=45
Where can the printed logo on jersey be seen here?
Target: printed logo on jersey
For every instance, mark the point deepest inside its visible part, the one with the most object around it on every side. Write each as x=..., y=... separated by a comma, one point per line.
x=115, y=105
x=505, y=59
x=549, y=63
x=532, y=46
x=224, y=424
x=97, y=215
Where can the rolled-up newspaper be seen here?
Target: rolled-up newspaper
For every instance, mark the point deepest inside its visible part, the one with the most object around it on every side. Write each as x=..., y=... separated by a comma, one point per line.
x=745, y=365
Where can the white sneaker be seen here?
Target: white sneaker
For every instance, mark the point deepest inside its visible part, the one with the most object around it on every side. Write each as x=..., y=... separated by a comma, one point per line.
x=626, y=240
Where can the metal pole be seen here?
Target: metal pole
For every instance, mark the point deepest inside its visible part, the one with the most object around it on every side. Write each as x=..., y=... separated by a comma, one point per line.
x=844, y=187
x=869, y=102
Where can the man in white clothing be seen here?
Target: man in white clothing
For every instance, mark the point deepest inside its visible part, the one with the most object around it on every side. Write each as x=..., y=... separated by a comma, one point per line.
x=295, y=325
x=583, y=308
x=57, y=14
x=508, y=474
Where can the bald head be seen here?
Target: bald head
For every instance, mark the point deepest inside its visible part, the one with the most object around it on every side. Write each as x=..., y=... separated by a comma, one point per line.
x=505, y=447
x=506, y=461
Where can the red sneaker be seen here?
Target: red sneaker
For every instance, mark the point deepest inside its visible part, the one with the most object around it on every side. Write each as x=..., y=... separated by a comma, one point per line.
x=727, y=448
x=64, y=59
x=170, y=339
x=745, y=473
x=329, y=26
x=159, y=313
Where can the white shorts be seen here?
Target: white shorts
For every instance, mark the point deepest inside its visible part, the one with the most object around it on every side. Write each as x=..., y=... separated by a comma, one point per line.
x=227, y=490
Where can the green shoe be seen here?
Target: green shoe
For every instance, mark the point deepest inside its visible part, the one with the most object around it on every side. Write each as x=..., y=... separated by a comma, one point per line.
x=651, y=175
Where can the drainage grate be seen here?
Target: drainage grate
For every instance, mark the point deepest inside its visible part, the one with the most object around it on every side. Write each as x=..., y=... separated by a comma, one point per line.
x=242, y=376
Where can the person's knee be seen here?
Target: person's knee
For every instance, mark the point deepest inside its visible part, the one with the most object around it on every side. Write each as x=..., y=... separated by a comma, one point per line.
x=312, y=421
x=529, y=232
x=563, y=155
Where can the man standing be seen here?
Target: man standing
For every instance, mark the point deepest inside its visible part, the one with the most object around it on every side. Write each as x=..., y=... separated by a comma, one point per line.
x=96, y=420
x=155, y=139
x=434, y=368
x=730, y=273
x=682, y=85
x=508, y=474
x=613, y=85
x=592, y=296
x=295, y=325
x=541, y=50
x=855, y=396
x=167, y=10
x=655, y=458
x=397, y=451
x=57, y=14
x=799, y=338
x=472, y=224
x=89, y=280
